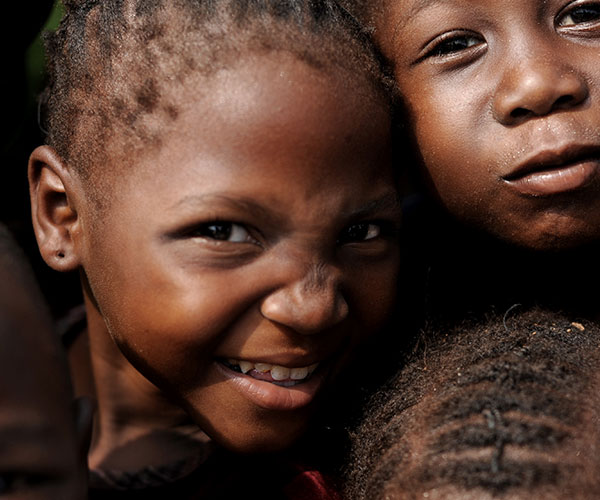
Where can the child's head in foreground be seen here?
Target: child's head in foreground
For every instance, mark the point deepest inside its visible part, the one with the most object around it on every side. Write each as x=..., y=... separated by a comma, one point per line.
x=219, y=171
x=504, y=102
x=42, y=456
x=502, y=408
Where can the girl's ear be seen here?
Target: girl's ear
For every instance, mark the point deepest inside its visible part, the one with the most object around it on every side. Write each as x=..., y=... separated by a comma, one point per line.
x=55, y=219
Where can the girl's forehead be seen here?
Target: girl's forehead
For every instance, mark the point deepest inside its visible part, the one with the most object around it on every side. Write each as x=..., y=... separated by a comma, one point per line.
x=274, y=91
x=272, y=130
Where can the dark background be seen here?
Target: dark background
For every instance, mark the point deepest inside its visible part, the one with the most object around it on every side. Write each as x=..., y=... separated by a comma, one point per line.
x=23, y=79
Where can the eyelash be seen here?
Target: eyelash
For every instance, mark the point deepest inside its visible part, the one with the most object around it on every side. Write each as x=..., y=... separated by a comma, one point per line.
x=224, y=231
x=461, y=44
x=362, y=232
x=575, y=8
x=448, y=45
x=453, y=44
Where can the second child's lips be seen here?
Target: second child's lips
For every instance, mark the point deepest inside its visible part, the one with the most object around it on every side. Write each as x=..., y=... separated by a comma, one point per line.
x=555, y=172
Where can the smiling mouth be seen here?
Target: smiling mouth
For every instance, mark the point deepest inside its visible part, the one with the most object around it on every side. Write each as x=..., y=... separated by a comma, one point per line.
x=551, y=173
x=275, y=374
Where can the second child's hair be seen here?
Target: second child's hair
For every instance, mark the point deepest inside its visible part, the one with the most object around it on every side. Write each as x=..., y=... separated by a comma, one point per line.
x=500, y=408
x=115, y=65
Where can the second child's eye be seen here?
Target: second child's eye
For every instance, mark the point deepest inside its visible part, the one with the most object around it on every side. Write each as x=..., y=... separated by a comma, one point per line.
x=579, y=14
x=363, y=231
x=223, y=231
x=452, y=44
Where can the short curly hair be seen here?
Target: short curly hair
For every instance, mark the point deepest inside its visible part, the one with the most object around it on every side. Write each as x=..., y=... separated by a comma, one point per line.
x=113, y=64
x=498, y=408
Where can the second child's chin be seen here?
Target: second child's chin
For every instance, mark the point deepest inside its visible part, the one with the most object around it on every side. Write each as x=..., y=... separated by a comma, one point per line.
x=551, y=234
x=551, y=224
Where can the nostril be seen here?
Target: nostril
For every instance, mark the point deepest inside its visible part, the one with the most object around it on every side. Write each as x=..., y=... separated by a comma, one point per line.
x=519, y=113
x=564, y=100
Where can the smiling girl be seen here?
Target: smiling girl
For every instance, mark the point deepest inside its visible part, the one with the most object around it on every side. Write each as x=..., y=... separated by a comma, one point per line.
x=220, y=174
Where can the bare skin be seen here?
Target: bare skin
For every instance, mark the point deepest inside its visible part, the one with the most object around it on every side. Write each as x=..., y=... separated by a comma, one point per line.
x=135, y=419
x=263, y=230
x=504, y=102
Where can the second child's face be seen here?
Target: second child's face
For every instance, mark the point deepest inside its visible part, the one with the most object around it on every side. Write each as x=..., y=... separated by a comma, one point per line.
x=504, y=100
x=240, y=264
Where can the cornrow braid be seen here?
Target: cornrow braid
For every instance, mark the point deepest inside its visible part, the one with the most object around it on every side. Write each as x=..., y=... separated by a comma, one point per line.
x=494, y=409
x=115, y=65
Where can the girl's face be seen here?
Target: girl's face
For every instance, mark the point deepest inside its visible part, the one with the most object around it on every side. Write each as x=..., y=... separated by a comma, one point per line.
x=504, y=101
x=241, y=262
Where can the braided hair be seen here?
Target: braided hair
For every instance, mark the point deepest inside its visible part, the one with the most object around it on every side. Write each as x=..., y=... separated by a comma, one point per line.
x=501, y=408
x=115, y=65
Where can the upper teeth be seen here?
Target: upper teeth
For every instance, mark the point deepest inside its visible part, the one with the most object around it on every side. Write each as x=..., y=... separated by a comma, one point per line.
x=278, y=372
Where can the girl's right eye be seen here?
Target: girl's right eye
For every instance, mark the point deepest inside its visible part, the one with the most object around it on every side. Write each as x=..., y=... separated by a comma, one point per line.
x=452, y=44
x=222, y=231
x=360, y=232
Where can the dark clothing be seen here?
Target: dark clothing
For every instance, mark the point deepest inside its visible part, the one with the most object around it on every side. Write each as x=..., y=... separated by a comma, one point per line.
x=223, y=476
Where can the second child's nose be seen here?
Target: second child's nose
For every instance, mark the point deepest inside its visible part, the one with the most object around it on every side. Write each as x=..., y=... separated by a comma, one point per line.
x=537, y=86
x=308, y=305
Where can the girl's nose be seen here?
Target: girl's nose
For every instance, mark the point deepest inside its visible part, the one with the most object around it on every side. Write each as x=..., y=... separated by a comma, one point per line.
x=536, y=86
x=310, y=304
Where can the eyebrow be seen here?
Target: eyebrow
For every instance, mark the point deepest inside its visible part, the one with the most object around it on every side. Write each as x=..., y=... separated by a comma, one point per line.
x=390, y=202
x=192, y=202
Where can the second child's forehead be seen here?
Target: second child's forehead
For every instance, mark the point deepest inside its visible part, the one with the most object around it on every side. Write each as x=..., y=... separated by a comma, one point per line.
x=398, y=17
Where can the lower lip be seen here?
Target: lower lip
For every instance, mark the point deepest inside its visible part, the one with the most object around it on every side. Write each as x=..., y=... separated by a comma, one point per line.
x=561, y=180
x=274, y=397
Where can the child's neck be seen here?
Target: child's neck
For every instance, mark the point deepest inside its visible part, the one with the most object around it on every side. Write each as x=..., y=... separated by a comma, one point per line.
x=136, y=424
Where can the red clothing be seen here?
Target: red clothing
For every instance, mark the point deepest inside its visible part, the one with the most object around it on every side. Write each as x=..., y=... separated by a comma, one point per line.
x=311, y=484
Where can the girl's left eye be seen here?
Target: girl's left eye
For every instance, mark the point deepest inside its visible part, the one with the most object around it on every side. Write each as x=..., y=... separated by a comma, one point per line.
x=363, y=231
x=223, y=231
x=581, y=13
